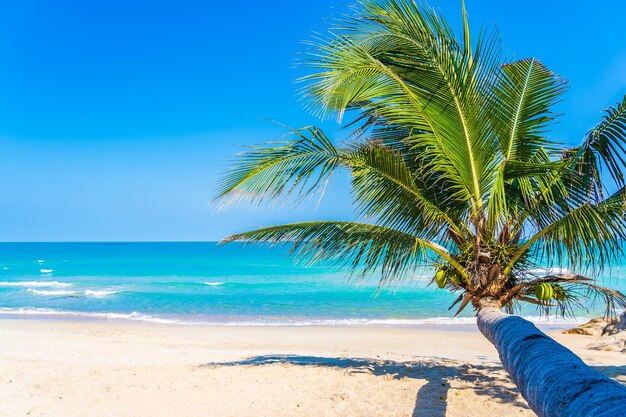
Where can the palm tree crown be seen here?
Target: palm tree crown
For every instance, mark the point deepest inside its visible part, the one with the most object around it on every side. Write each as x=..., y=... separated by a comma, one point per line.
x=450, y=164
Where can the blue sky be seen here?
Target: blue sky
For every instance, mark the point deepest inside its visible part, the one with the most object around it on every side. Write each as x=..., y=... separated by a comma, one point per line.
x=116, y=117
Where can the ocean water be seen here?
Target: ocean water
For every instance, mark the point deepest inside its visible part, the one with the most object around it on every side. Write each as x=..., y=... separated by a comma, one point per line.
x=203, y=283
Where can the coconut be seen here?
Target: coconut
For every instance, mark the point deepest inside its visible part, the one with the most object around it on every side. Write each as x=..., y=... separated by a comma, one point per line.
x=441, y=278
x=544, y=291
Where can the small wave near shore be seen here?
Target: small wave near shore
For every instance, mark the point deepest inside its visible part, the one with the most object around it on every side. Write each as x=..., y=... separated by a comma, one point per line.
x=272, y=321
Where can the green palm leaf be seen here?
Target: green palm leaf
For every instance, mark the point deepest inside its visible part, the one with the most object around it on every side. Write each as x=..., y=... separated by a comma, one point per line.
x=589, y=236
x=299, y=164
x=387, y=190
x=365, y=248
x=439, y=93
x=525, y=94
x=607, y=141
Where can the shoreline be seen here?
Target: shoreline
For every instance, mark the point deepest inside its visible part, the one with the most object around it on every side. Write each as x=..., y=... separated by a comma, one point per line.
x=443, y=323
x=123, y=368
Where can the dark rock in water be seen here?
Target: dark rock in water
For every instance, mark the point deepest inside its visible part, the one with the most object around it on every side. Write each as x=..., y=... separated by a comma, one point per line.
x=594, y=327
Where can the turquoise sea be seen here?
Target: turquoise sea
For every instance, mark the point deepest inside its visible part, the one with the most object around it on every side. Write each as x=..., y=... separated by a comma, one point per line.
x=203, y=283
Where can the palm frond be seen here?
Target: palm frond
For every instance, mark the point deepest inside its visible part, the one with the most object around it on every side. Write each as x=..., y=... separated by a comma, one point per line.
x=385, y=189
x=607, y=141
x=576, y=288
x=525, y=94
x=530, y=190
x=363, y=248
x=296, y=166
x=404, y=62
x=588, y=236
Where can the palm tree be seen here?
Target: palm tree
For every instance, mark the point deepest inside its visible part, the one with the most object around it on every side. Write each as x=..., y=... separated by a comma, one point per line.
x=450, y=167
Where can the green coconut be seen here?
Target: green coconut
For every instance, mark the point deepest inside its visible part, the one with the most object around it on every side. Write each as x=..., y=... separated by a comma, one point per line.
x=456, y=278
x=441, y=278
x=544, y=291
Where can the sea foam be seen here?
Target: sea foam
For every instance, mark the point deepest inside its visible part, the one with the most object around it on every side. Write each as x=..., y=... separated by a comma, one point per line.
x=52, y=292
x=100, y=293
x=274, y=322
x=88, y=293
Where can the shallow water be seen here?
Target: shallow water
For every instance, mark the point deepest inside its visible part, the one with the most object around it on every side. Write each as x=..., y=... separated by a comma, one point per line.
x=202, y=283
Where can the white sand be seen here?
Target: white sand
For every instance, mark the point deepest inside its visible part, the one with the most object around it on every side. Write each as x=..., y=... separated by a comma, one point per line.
x=64, y=368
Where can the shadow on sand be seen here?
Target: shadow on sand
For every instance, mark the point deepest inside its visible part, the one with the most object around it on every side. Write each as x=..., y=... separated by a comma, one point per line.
x=617, y=372
x=488, y=380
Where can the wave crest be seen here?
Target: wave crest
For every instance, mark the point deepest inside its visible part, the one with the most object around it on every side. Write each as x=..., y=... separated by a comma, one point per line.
x=52, y=292
x=100, y=293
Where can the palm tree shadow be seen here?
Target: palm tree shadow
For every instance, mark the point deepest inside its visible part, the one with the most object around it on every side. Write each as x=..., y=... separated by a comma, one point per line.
x=431, y=399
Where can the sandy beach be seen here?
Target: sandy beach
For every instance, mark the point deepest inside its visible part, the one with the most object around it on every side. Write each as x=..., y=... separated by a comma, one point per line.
x=96, y=368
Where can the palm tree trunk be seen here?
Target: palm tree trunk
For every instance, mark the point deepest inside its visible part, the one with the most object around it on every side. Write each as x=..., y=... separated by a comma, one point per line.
x=553, y=380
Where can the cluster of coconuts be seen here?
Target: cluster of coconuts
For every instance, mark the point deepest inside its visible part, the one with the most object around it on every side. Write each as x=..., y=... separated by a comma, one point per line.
x=545, y=291
x=442, y=276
